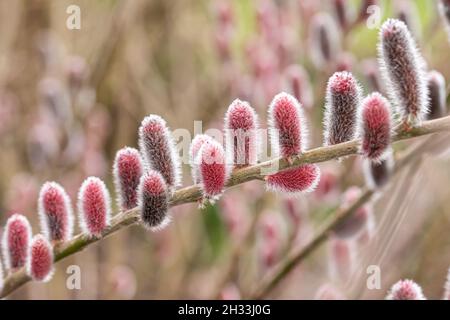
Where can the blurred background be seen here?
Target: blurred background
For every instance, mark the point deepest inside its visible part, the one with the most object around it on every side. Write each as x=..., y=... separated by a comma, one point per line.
x=69, y=99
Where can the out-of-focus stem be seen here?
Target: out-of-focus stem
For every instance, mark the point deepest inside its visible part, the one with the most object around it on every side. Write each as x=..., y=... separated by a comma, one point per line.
x=239, y=176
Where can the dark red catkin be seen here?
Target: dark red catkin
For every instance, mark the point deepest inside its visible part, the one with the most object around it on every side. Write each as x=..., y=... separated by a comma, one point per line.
x=127, y=171
x=241, y=134
x=375, y=126
x=377, y=173
x=287, y=127
x=403, y=70
x=301, y=179
x=40, y=259
x=94, y=206
x=16, y=241
x=158, y=150
x=436, y=94
x=405, y=290
x=153, y=197
x=341, y=11
x=213, y=169
x=297, y=82
x=194, y=149
x=55, y=212
x=343, y=98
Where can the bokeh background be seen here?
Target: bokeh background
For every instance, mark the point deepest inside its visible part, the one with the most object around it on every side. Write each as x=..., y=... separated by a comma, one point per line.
x=69, y=99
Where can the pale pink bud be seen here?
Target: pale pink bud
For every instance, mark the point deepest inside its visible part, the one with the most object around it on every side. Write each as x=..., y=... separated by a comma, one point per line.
x=94, y=206
x=405, y=290
x=324, y=40
x=288, y=131
x=437, y=95
x=356, y=222
x=55, y=212
x=230, y=292
x=298, y=84
x=302, y=179
x=153, y=197
x=377, y=173
x=241, y=134
x=341, y=109
x=127, y=171
x=213, y=169
x=329, y=292
x=270, y=240
x=342, y=258
x=16, y=241
x=375, y=126
x=447, y=287
x=194, y=149
x=403, y=70
x=40, y=260
x=158, y=150
x=341, y=12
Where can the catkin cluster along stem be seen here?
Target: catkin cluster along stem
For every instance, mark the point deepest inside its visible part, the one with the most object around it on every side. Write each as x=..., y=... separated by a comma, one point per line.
x=256, y=172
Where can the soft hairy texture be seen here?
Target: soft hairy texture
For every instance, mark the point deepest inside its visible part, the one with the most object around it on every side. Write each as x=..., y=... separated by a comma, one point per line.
x=16, y=241
x=403, y=70
x=298, y=83
x=40, y=259
x=343, y=97
x=324, y=40
x=194, y=149
x=153, y=198
x=55, y=212
x=405, y=290
x=94, y=206
x=302, y=179
x=158, y=149
x=375, y=126
x=127, y=171
x=377, y=173
x=436, y=94
x=287, y=125
x=241, y=134
x=354, y=224
x=213, y=169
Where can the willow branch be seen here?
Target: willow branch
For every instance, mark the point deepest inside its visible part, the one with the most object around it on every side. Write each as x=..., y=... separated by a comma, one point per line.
x=193, y=193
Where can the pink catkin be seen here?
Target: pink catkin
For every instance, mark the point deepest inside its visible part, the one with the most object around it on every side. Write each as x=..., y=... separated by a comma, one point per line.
x=213, y=169
x=288, y=132
x=298, y=84
x=194, y=149
x=301, y=179
x=342, y=255
x=40, y=260
x=153, y=197
x=16, y=241
x=403, y=70
x=158, y=150
x=324, y=39
x=55, y=212
x=241, y=134
x=375, y=126
x=343, y=97
x=128, y=169
x=94, y=206
x=405, y=290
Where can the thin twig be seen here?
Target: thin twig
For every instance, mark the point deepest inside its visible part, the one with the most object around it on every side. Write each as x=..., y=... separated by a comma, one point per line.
x=257, y=172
